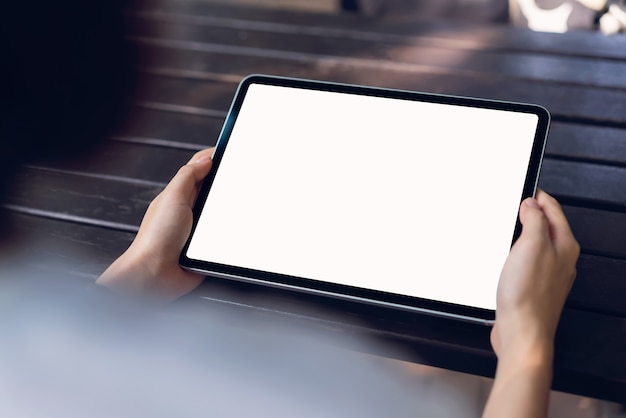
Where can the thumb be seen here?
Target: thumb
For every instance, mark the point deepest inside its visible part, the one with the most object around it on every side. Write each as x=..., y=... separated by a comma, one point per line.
x=534, y=221
x=185, y=184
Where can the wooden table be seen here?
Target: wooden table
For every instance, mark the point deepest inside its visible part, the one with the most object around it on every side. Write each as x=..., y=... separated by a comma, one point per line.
x=84, y=214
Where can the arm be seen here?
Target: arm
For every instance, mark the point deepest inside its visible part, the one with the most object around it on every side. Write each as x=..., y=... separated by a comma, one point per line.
x=534, y=284
x=149, y=268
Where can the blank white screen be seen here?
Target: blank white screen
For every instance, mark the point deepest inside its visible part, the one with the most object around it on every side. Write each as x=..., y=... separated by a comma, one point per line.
x=412, y=198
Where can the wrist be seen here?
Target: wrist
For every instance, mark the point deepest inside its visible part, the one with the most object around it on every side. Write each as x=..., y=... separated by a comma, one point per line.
x=527, y=355
x=125, y=274
x=523, y=379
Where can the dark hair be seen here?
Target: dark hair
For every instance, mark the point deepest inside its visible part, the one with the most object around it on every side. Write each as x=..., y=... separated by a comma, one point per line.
x=67, y=71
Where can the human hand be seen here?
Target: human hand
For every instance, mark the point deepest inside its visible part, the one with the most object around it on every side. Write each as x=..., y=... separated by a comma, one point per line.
x=535, y=280
x=150, y=266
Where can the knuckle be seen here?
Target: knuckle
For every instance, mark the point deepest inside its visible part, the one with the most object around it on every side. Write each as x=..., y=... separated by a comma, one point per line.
x=187, y=168
x=186, y=171
x=572, y=250
x=156, y=200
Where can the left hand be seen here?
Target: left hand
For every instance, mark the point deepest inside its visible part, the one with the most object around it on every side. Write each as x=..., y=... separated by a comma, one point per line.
x=150, y=265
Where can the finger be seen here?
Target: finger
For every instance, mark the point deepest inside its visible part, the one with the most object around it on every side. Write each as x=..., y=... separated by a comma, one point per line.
x=184, y=186
x=534, y=222
x=202, y=155
x=560, y=229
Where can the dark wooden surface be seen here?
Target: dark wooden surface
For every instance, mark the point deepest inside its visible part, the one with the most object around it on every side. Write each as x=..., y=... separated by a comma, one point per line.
x=84, y=214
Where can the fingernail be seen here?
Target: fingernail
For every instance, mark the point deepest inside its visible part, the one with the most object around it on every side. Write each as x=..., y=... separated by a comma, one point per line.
x=531, y=202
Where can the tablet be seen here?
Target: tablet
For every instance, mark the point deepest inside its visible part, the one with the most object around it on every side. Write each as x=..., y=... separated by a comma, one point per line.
x=395, y=198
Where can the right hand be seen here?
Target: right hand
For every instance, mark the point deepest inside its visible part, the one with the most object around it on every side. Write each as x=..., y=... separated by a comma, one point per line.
x=536, y=279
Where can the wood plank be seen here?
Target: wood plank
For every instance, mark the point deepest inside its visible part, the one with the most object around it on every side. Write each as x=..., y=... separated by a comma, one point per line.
x=488, y=64
x=469, y=36
x=201, y=93
x=173, y=127
x=582, y=181
x=325, y=6
x=130, y=162
x=95, y=200
x=66, y=246
x=572, y=103
x=585, y=143
x=592, y=345
x=599, y=285
x=588, y=143
x=599, y=232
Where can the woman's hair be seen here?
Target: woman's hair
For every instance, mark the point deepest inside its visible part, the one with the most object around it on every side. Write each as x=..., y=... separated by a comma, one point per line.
x=67, y=71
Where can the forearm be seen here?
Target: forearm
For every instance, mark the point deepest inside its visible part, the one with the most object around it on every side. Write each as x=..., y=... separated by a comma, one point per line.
x=533, y=287
x=522, y=384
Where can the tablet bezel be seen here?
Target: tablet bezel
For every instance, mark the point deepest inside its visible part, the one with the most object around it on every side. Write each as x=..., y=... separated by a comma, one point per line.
x=468, y=313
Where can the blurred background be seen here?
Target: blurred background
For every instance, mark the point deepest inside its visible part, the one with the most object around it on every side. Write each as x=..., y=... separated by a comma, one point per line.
x=608, y=16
